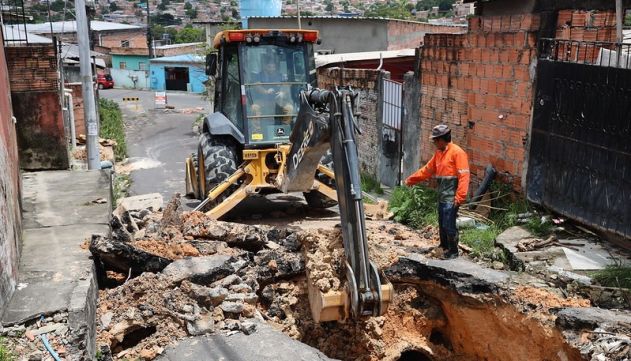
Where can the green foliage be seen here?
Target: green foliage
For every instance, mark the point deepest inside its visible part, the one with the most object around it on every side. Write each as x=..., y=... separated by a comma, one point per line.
x=112, y=126
x=191, y=13
x=120, y=187
x=414, y=206
x=329, y=7
x=165, y=19
x=616, y=275
x=113, y=6
x=5, y=353
x=370, y=184
x=188, y=6
x=391, y=10
x=157, y=30
x=443, y=5
x=539, y=228
x=57, y=5
x=189, y=35
x=481, y=241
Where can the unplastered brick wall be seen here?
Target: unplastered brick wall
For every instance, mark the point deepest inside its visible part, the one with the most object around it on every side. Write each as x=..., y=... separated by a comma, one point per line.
x=586, y=25
x=32, y=68
x=480, y=84
x=366, y=83
x=135, y=38
x=409, y=34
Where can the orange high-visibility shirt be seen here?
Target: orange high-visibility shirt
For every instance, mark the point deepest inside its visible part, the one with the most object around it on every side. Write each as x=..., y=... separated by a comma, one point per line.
x=451, y=168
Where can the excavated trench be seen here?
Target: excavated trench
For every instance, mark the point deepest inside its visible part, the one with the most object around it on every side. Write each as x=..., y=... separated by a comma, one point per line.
x=435, y=315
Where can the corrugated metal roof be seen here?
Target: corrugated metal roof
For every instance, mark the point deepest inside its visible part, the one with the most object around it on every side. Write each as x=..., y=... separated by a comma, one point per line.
x=322, y=60
x=71, y=27
x=184, y=58
x=174, y=46
x=335, y=17
x=15, y=33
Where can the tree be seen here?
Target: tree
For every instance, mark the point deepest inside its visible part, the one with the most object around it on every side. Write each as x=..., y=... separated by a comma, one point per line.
x=235, y=13
x=191, y=13
x=113, y=7
x=165, y=19
x=393, y=10
x=189, y=35
x=188, y=6
x=57, y=5
x=329, y=7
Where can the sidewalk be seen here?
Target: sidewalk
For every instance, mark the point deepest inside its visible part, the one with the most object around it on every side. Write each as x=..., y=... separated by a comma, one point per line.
x=61, y=209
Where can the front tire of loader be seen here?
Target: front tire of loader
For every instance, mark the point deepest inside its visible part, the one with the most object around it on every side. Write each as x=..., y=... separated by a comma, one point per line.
x=217, y=160
x=316, y=199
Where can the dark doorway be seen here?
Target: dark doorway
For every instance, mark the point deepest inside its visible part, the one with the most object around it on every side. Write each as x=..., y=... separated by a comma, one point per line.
x=176, y=78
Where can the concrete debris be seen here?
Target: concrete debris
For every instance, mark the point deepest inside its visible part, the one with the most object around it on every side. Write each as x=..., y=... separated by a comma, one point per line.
x=152, y=202
x=122, y=257
x=222, y=279
x=202, y=270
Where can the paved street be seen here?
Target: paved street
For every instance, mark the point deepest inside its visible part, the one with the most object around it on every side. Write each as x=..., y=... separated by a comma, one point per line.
x=158, y=140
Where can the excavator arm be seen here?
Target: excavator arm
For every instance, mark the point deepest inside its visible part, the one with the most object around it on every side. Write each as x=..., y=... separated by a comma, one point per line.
x=326, y=121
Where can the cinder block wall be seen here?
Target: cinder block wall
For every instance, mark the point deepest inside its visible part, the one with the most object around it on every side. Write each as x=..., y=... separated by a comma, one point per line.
x=366, y=82
x=10, y=213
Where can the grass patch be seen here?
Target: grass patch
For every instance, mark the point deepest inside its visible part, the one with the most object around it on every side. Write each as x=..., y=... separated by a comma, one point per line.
x=120, y=187
x=481, y=241
x=616, y=275
x=370, y=184
x=112, y=126
x=5, y=354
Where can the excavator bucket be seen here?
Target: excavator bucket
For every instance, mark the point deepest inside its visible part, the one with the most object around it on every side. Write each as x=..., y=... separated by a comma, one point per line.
x=336, y=305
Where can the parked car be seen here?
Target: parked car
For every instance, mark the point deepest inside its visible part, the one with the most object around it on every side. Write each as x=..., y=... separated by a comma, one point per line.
x=104, y=81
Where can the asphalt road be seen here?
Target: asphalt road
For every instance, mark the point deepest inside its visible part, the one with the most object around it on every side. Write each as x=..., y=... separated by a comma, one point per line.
x=158, y=140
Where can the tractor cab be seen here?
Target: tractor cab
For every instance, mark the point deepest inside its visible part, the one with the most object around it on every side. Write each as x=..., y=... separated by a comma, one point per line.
x=259, y=76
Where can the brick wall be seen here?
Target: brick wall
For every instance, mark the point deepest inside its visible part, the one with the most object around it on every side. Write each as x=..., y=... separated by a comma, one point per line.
x=10, y=213
x=582, y=25
x=480, y=84
x=408, y=34
x=36, y=106
x=32, y=68
x=366, y=82
x=137, y=38
x=589, y=26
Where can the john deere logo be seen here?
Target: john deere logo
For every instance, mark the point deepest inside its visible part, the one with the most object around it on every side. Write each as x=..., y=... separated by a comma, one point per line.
x=280, y=132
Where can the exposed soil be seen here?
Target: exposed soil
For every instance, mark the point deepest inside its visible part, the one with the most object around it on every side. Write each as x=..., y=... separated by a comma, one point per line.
x=150, y=312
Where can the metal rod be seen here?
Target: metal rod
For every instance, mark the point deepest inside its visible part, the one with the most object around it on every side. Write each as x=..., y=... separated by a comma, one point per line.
x=73, y=132
x=87, y=87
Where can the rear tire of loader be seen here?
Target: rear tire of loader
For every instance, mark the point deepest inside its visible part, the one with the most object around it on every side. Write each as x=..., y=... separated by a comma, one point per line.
x=316, y=199
x=217, y=160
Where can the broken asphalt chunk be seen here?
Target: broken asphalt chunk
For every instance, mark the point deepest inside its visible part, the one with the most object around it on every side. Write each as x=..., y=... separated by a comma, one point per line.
x=200, y=270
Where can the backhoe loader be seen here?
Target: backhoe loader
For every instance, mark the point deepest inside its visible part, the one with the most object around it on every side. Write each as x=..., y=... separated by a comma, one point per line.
x=272, y=130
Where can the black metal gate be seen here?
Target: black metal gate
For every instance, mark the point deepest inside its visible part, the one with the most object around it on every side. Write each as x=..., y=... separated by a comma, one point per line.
x=580, y=154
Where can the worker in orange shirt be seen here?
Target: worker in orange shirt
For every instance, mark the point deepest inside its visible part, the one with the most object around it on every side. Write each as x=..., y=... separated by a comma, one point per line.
x=450, y=167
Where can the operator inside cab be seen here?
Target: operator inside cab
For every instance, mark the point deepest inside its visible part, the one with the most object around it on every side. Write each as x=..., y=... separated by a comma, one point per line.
x=268, y=97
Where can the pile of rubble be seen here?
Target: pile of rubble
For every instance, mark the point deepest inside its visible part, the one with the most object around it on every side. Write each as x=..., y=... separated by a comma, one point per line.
x=170, y=275
x=29, y=340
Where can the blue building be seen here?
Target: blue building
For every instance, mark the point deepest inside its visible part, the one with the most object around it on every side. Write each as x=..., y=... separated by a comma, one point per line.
x=249, y=8
x=179, y=72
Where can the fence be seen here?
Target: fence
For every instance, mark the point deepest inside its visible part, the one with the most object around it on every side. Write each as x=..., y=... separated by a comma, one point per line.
x=617, y=55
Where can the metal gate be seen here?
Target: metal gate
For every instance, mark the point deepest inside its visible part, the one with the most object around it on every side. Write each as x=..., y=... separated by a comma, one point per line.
x=391, y=150
x=580, y=154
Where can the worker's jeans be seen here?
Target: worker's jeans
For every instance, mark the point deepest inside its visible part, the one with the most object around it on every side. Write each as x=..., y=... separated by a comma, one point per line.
x=447, y=213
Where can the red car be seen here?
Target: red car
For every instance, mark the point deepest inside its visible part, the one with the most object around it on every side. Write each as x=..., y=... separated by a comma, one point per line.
x=104, y=81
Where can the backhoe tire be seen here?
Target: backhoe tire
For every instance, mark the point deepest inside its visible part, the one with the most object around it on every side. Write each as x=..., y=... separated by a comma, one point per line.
x=217, y=160
x=316, y=199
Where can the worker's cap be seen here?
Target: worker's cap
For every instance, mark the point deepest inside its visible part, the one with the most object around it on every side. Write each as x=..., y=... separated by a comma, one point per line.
x=439, y=131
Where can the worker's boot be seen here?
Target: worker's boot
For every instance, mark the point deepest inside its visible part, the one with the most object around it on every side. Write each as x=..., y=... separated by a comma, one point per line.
x=452, y=251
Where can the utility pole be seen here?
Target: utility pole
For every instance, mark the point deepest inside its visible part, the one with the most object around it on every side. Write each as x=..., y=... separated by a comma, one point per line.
x=149, y=34
x=619, y=37
x=87, y=87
